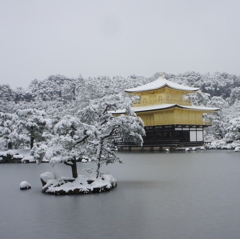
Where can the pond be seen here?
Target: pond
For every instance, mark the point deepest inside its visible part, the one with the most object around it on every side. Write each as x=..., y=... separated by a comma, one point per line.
x=176, y=195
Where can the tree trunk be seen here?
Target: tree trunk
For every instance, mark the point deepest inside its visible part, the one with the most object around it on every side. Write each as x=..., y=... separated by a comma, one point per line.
x=98, y=169
x=99, y=154
x=10, y=145
x=74, y=168
x=31, y=142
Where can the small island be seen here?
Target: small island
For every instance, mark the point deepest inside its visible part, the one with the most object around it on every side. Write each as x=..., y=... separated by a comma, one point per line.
x=79, y=185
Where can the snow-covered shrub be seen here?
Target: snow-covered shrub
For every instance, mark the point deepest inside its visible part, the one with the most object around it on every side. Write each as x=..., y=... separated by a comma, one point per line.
x=233, y=130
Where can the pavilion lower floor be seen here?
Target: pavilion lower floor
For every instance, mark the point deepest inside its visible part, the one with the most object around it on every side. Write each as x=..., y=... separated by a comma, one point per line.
x=170, y=136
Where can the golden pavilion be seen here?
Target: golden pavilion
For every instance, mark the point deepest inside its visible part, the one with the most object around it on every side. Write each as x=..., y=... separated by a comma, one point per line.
x=169, y=117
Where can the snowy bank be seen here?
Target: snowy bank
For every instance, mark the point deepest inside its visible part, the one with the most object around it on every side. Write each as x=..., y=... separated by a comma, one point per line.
x=80, y=185
x=222, y=144
x=16, y=156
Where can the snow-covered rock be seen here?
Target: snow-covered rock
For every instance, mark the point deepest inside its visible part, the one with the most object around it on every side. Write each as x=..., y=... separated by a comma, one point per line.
x=18, y=156
x=24, y=185
x=44, y=177
x=237, y=149
x=28, y=159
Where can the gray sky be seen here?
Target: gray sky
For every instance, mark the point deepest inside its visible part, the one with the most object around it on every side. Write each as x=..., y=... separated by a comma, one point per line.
x=116, y=37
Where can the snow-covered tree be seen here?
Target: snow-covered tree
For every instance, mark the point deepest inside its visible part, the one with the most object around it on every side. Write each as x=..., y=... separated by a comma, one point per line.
x=32, y=123
x=92, y=134
x=67, y=145
x=6, y=98
x=109, y=128
x=233, y=130
x=8, y=130
x=200, y=99
x=235, y=95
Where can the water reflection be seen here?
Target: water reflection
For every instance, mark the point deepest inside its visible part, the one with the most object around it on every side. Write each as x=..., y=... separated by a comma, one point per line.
x=169, y=196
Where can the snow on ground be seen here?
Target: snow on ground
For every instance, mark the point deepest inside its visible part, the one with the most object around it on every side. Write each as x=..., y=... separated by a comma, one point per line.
x=80, y=185
x=22, y=155
x=222, y=144
x=24, y=152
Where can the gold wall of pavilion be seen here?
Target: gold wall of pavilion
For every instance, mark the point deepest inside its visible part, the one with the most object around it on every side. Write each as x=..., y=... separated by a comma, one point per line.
x=173, y=116
x=162, y=96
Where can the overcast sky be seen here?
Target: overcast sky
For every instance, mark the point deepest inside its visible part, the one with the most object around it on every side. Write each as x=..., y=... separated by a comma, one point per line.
x=116, y=37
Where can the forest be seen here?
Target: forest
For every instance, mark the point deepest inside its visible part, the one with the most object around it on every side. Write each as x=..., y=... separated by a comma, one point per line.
x=26, y=113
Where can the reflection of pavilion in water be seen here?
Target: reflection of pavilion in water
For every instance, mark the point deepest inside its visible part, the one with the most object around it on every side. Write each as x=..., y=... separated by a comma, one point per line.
x=169, y=118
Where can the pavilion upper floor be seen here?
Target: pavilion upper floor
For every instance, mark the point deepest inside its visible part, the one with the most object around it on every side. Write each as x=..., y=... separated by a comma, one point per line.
x=164, y=95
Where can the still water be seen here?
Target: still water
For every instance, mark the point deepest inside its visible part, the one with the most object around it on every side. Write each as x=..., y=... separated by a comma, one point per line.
x=192, y=195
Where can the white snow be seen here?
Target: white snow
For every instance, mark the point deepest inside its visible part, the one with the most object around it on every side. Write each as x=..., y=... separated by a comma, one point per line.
x=29, y=159
x=237, y=149
x=166, y=106
x=222, y=144
x=55, y=160
x=198, y=108
x=3, y=153
x=160, y=83
x=221, y=90
x=18, y=156
x=46, y=176
x=25, y=185
x=82, y=183
x=23, y=154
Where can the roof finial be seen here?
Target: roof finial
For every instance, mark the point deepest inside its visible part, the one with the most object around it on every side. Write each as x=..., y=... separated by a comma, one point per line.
x=162, y=74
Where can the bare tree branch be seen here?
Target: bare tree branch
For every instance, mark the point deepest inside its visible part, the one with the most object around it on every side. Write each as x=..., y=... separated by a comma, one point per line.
x=83, y=139
x=111, y=132
x=67, y=163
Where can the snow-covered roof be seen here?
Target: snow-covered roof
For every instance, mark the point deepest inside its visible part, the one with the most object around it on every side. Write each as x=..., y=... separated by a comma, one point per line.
x=160, y=83
x=166, y=106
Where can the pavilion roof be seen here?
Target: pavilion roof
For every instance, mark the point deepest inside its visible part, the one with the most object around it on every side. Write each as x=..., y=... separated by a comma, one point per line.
x=167, y=106
x=160, y=83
